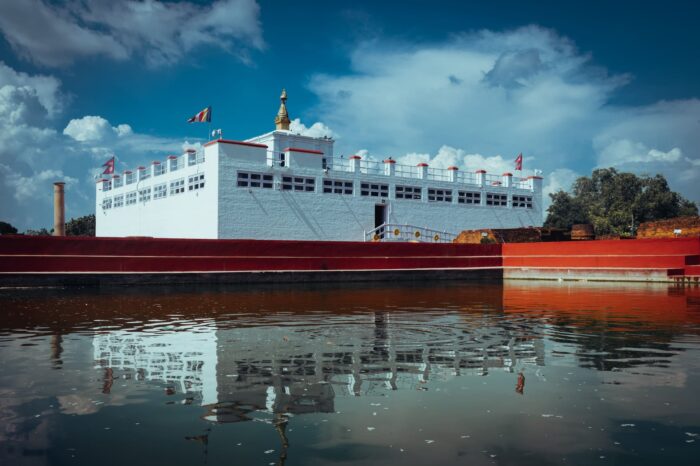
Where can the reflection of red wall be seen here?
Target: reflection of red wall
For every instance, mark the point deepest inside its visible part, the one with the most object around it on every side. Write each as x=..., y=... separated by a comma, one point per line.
x=641, y=303
x=51, y=254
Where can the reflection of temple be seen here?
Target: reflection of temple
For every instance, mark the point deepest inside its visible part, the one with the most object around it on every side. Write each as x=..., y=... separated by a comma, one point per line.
x=300, y=369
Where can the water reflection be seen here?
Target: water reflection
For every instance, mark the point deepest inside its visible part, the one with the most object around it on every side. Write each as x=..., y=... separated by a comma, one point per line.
x=272, y=357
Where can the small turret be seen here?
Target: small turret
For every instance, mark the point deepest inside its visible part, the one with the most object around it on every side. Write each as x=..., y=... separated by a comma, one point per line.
x=282, y=118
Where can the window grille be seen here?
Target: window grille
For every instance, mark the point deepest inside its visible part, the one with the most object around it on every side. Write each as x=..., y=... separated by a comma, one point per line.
x=131, y=198
x=118, y=201
x=522, y=201
x=439, y=195
x=177, y=186
x=158, y=169
x=160, y=191
x=254, y=180
x=337, y=187
x=117, y=182
x=191, y=159
x=106, y=203
x=144, y=195
x=469, y=197
x=374, y=189
x=496, y=199
x=298, y=183
x=143, y=174
x=129, y=178
x=106, y=185
x=408, y=192
x=195, y=182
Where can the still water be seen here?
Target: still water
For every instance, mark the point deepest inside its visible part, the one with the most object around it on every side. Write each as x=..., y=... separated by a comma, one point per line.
x=521, y=373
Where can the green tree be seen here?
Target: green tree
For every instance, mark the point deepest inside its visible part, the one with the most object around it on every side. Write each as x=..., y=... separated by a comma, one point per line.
x=616, y=202
x=39, y=232
x=81, y=226
x=7, y=229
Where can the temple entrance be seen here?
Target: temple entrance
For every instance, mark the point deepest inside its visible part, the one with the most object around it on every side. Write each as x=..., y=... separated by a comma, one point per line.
x=380, y=218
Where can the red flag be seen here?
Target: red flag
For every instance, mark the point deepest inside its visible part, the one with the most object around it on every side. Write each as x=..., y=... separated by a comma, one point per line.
x=110, y=167
x=519, y=162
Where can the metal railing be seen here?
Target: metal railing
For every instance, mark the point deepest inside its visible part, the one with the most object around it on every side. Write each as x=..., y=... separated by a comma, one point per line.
x=412, y=233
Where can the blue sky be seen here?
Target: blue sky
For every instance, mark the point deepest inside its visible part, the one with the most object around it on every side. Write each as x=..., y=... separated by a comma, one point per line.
x=573, y=85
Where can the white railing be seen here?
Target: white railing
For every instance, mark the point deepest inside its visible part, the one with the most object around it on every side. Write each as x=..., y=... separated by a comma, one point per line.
x=406, y=233
x=370, y=167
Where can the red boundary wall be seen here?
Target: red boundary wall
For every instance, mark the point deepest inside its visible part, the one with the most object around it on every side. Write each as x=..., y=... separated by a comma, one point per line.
x=647, y=259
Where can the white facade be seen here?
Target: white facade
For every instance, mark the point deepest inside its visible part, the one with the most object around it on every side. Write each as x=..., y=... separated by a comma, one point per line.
x=285, y=186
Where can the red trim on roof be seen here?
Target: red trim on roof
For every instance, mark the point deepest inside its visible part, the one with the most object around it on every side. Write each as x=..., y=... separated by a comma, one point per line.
x=141, y=168
x=101, y=180
x=534, y=177
x=452, y=167
x=307, y=151
x=496, y=183
x=422, y=164
x=172, y=157
x=155, y=162
x=390, y=161
x=507, y=174
x=355, y=157
x=240, y=143
x=480, y=171
x=129, y=172
x=115, y=176
x=191, y=150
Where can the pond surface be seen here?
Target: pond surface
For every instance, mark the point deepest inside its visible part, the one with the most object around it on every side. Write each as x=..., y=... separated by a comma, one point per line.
x=522, y=373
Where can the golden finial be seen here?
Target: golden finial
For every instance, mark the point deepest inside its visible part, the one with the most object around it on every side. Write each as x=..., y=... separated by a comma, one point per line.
x=282, y=118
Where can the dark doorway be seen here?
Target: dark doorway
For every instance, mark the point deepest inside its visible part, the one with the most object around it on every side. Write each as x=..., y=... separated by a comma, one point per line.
x=379, y=218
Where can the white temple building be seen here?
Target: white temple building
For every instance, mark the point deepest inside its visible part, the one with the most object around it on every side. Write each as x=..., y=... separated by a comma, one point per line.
x=283, y=185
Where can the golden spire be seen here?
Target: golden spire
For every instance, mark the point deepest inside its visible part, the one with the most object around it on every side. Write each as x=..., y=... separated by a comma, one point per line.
x=282, y=118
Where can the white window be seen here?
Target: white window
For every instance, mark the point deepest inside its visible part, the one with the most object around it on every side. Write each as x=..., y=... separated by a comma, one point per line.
x=298, y=183
x=129, y=177
x=469, y=197
x=254, y=180
x=439, y=195
x=337, y=187
x=158, y=169
x=144, y=173
x=374, y=189
x=131, y=198
x=191, y=159
x=118, y=201
x=106, y=203
x=106, y=185
x=522, y=201
x=496, y=199
x=145, y=194
x=160, y=191
x=195, y=182
x=117, y=182
x=408, y=192
x=177, y=186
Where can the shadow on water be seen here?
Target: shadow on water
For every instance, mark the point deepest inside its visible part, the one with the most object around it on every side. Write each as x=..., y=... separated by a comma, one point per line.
x=294, y=364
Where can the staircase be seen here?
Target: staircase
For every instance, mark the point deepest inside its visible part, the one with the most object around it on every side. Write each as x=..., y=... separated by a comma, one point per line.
x=690, y=273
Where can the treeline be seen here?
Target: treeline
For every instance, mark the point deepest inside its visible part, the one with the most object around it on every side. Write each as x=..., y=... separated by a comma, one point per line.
x=81, y=226
x=615, y=203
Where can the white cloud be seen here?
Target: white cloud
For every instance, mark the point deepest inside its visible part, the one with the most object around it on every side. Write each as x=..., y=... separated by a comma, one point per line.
x=162, y=32
x=497, y=94
x=317, y=130
x=624, y=151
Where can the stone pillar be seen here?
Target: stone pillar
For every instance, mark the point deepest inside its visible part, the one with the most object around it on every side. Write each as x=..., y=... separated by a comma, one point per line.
x=389, y=167
x=355, y=163
x=453, y=173
x=507, y=180
x=423, y=167
x=59, y=209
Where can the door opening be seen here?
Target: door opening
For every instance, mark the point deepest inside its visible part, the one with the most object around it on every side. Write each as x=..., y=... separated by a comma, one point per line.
x=379, y=218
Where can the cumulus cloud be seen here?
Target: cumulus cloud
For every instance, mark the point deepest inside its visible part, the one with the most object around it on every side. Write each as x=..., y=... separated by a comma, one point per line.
x=317, y=130
x=53, y=35
x=498, y=93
